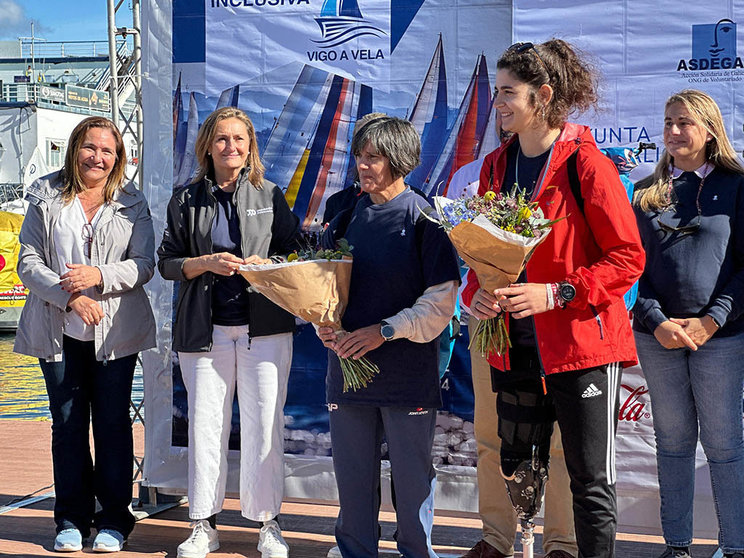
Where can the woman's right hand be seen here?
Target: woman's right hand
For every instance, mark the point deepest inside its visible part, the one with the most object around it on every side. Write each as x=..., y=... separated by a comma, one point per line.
x=222, y=263
x=88, y=309
x=328, y=336
x=673, y=336
x=484, y=305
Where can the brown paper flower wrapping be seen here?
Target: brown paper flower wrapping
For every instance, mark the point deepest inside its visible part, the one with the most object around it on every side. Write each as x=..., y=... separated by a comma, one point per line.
x=316, y=290
x=496, y=256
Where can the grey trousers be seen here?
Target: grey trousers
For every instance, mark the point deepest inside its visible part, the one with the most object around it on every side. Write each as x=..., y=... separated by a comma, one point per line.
x=356, y=435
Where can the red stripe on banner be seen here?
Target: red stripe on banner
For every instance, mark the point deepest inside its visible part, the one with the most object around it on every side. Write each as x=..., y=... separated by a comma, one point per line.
x=328, y=155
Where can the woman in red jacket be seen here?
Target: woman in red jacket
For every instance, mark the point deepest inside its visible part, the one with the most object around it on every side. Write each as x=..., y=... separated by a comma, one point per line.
x=568, y=325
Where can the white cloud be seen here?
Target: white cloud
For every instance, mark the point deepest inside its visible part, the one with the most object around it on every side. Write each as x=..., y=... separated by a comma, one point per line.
x=13, y=20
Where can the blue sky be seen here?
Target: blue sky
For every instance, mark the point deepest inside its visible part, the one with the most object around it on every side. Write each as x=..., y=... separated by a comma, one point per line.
x=59, y=20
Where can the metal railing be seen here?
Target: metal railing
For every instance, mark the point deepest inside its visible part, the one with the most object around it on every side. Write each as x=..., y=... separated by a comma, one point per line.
x=21, y=92
x=60, y=49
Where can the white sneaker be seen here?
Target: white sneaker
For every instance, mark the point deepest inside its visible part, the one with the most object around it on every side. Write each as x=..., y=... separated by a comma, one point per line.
x=202, y=541
x=335, y=552
x=270, y=541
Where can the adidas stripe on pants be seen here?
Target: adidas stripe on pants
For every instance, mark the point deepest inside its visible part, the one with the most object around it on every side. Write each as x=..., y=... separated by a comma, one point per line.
x=585, y=403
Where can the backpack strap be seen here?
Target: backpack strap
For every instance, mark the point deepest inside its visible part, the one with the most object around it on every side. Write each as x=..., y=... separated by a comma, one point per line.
x=573, y=179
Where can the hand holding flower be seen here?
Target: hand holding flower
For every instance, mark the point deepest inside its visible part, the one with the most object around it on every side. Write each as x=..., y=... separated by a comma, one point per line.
x=485, y=305
x=523, y=299
x=359, y=342
x=328, y=336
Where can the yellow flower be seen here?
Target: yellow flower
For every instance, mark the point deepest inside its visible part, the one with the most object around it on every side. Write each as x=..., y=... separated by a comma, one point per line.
x=489, y=196
x=525, y=213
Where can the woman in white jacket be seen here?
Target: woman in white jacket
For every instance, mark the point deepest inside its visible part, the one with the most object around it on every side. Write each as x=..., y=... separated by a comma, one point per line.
x=87, y=247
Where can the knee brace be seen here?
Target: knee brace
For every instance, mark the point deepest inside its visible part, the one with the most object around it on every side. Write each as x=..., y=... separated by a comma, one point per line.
x=525, y=423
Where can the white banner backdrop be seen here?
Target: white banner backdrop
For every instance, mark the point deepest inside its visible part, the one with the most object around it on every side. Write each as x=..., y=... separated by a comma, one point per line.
x=646, y=51
x=304, y=71
x=256, y=54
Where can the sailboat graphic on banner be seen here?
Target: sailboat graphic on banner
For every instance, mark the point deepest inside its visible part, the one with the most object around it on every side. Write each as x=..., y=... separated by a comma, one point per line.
x=308, y=150
x=429, y=117
x=463, y=143
x=341, y=21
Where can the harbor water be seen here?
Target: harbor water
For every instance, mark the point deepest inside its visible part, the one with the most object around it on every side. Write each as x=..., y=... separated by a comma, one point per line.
x=22, y=391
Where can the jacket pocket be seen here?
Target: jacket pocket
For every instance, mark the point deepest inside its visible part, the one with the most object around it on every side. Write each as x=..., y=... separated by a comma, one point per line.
x=598, y=319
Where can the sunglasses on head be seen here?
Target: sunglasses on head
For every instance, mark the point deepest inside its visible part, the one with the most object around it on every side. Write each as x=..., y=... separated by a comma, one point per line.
x=520, y=48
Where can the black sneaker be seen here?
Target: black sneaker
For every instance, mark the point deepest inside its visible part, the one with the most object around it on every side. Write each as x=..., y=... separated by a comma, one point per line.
x=675, y=553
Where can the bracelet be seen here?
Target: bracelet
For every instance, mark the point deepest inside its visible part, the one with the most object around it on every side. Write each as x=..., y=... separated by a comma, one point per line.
x=549, y=295
x=558, y=301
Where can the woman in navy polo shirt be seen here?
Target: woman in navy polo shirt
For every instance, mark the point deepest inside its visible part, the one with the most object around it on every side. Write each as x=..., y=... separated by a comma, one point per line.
x=403, y=289
x=688, y=324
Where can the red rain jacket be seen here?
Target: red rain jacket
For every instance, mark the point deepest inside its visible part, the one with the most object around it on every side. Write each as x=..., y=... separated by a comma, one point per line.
x=598, y=251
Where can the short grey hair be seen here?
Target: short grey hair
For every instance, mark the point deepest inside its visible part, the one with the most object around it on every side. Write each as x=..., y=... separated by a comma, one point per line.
x=393, y=138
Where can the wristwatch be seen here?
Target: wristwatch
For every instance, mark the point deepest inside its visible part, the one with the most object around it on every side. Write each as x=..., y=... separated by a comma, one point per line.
x=387, y=331
x=566, y=292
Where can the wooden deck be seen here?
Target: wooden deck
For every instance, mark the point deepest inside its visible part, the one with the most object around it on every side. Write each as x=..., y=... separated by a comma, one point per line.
x=28, y=531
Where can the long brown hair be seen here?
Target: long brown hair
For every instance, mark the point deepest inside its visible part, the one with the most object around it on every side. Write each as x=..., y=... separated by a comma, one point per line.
x=653, y=192
x=72, y=181
x=205, y=137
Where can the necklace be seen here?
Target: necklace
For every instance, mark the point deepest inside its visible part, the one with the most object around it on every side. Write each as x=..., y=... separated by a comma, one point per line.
x=667, y=224
x=531, y=190
x=90, y=207
x=670, y=188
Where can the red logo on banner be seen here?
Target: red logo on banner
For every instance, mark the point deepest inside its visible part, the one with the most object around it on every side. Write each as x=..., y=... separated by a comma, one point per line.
x=2, y=263
x=633, y=409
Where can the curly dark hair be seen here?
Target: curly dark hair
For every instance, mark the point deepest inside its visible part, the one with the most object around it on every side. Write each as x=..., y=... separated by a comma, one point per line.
x=560, y=65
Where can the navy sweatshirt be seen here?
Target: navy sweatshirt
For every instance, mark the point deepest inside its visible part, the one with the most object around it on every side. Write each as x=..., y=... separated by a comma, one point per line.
x=698, y=273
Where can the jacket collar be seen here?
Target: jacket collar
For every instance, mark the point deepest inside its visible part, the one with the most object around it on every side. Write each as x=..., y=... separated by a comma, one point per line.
x=212, y=185
x=572, y=135
x=49, y=187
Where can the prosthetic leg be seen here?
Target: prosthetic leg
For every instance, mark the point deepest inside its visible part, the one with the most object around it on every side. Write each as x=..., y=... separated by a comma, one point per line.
x=526, y=487
x=525, y=426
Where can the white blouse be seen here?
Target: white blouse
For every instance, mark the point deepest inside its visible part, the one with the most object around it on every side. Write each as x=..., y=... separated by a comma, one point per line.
x=73, y=239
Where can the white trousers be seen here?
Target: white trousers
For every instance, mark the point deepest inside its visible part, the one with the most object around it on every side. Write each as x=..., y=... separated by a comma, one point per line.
x=260, y=369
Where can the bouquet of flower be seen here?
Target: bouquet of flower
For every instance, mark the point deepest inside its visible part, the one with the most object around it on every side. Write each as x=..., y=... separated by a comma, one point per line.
x=314, y=286
x=495, y=234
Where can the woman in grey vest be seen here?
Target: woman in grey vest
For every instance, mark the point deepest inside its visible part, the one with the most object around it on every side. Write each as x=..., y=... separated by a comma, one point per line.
x=227, y=336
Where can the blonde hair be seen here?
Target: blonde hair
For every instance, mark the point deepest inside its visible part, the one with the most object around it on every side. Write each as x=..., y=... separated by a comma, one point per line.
x=653, y=192
x=206, y=135
x=72, y=182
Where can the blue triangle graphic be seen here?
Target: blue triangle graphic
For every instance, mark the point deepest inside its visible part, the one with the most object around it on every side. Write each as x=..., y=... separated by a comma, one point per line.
x=402, y=13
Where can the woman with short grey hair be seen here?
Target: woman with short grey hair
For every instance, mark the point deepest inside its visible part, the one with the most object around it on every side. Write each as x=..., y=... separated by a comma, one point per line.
x=402, y=295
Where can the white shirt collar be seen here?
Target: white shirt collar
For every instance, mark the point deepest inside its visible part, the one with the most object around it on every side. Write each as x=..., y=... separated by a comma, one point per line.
x=702, y=171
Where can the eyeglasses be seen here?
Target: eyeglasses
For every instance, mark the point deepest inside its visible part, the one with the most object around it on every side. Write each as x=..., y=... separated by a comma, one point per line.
x=87, y=235
x=665, y=223
x=520, y=48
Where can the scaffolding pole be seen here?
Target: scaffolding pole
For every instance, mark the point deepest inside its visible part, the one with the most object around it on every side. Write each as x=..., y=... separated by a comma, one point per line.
x=126, y=81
